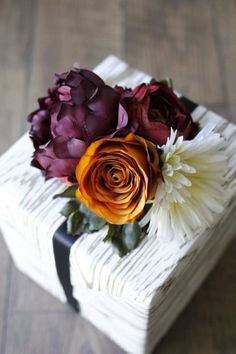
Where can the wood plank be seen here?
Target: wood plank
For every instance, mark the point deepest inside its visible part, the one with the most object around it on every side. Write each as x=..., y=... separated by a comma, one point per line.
x=55, y=333
x=14, y=40
x=5, y=274
x=16, y=21
x=176, y=39
x=208, y=323
x=12, y=105
x=73, y=31
x=194, y=42
x=225, y=31
x=24, y=288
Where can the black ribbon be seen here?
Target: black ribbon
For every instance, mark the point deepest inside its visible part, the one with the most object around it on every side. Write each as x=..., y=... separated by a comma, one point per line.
x=62, y=242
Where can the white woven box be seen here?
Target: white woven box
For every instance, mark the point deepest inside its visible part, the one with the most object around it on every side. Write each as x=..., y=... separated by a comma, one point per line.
x=134, y=299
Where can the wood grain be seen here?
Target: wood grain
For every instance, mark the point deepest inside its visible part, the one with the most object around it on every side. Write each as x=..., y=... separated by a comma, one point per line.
x=194, y=42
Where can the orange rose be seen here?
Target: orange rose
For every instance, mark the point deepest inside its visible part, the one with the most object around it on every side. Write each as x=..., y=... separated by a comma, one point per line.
x=117, y=176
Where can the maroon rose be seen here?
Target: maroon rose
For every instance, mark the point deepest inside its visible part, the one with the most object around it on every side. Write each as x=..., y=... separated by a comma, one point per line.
x=78, y=109
x=154, y=109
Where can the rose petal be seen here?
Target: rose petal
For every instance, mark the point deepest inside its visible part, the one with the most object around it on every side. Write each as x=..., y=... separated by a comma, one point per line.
x=65, y=148
x=64, y=93
x=76, y=148
x=122, y=118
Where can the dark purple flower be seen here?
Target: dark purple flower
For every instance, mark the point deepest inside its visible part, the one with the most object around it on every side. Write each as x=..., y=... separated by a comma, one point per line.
x=78, y=109
x=59, y=157
x=40, y=120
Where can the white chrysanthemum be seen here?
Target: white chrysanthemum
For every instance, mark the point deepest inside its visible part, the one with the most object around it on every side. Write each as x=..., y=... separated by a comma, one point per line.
x=191, y=191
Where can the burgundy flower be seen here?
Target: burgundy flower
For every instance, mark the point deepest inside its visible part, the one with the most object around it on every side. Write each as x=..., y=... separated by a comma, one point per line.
x=40, y=120
x=154, y=109
x=59, y=158
x=78, y=109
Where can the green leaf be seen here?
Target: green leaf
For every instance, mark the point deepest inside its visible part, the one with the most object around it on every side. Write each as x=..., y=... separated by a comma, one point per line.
x=124, y=238
x=87, y=212
x=95, y=223
x=113, y=230
x=67, y=193
x=146, y=209
x=118, y=246
x=91, y=221
x=74, y=222
x=131, y=235
x=84, y=226
x=70, y=207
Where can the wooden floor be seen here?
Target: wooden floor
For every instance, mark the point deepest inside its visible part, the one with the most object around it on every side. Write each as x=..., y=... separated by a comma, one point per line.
x=194, y=42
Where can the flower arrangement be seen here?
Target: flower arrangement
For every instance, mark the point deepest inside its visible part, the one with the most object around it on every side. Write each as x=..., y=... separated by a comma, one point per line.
x=133, y=159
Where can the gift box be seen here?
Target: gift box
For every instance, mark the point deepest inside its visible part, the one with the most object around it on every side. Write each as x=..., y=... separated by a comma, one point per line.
x=134, y=299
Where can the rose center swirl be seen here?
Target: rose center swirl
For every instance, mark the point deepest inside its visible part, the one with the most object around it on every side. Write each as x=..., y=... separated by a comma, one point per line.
x=114, y=178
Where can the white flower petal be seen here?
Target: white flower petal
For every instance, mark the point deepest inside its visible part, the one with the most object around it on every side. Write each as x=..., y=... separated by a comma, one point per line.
x=192, y=191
